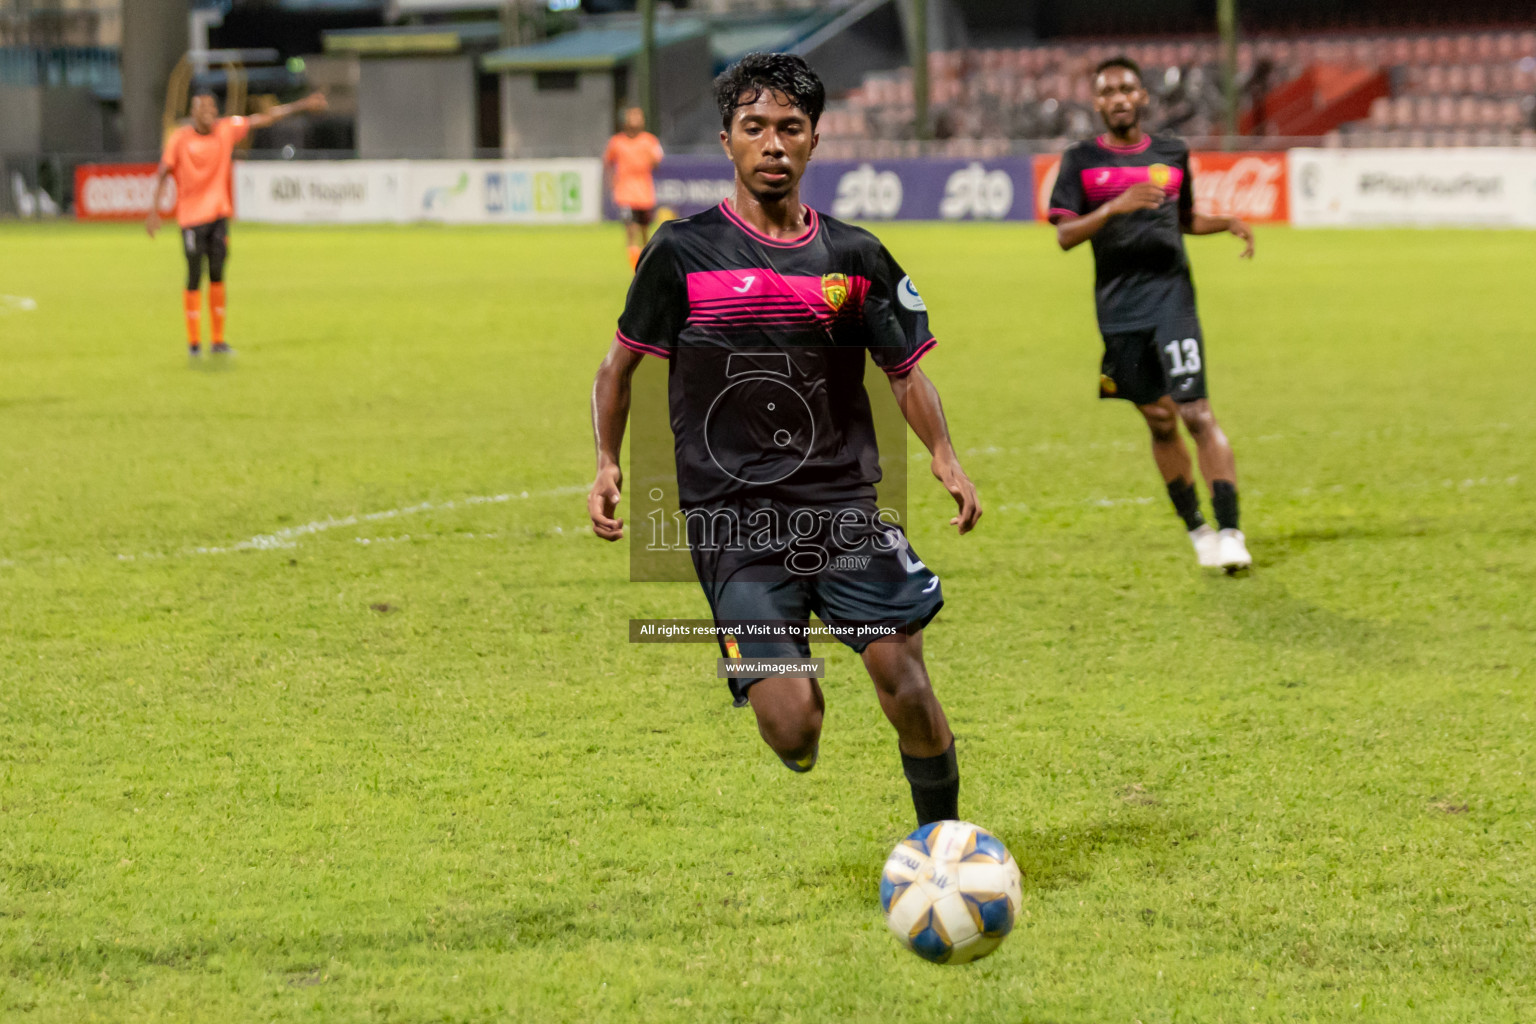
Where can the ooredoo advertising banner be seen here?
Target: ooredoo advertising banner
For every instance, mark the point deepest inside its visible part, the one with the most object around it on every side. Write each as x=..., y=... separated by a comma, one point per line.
x=119, y=192
x=1247, y=185
x=1423, y=188
x=914, y=189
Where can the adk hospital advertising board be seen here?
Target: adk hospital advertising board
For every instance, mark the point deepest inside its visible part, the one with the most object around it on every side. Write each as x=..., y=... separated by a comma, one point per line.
x=451, y=191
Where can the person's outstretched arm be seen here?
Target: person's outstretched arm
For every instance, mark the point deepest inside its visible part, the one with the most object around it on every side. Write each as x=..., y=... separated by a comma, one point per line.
x=1204, y=224
x=315, y=101
x=610, y=414
x=919, y=401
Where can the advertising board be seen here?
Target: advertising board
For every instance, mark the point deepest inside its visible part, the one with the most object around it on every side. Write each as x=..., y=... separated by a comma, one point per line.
x=119, y=192
x=320, y=191
x=1413, y=187
x=504, y=191
x=911, y=189
x=396, y=191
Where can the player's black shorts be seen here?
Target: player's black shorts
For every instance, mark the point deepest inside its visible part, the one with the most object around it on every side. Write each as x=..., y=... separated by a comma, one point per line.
x=209, y=240
x=641, y=215
x=865, y=581
x=1143, y=366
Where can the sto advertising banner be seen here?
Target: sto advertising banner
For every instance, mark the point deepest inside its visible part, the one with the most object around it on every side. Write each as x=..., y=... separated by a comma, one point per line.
x=1247, y=185
x=918, y=189
x=1423, y=188
x=395, y=191
x=119, y=192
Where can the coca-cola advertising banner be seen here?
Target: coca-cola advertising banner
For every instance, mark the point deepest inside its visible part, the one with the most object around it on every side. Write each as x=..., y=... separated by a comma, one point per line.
x=917, y=189
x=119, y=192
x=1252, y=186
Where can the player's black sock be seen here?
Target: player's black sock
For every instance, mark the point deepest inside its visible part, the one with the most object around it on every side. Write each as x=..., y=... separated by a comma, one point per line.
x=1224, y=499
x=1186, y=502
x=935, y=785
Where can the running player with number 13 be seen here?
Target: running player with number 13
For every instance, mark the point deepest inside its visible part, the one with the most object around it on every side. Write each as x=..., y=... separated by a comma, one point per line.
x=1132, y=195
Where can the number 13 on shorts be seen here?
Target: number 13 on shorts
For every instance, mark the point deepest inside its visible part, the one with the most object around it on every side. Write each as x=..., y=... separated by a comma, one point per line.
x=1183, y=357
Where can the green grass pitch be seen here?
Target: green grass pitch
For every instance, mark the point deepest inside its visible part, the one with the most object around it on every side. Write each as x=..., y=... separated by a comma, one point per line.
x=316, y=702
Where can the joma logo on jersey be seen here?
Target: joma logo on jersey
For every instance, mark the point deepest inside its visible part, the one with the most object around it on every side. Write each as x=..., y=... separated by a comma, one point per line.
x=834, y=288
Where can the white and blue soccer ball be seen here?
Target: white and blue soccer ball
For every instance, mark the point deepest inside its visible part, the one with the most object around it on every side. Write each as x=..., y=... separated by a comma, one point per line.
x=950, y=892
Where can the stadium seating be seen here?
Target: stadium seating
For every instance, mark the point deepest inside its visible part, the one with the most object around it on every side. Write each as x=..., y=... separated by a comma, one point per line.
x=1470, y=88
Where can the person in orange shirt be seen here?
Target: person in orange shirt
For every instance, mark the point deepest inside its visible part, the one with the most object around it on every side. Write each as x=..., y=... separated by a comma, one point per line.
x=631, y=157
x=200, y=156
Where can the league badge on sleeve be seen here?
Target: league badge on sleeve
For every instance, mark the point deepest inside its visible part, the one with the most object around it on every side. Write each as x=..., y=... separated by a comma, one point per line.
x=906, y=294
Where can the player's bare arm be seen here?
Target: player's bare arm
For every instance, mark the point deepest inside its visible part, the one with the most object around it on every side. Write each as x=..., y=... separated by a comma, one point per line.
x=610, y=413
x=1144, y=195
x=152, y=222
x=920, y=404
x=1204, y=224
x=313, y=103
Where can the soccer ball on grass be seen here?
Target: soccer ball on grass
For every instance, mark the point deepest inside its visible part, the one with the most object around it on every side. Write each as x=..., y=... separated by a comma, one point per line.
x=950, y=892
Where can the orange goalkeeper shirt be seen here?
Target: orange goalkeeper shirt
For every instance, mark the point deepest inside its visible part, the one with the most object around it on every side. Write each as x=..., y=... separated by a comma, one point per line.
x=201, y=165
x=633, y=160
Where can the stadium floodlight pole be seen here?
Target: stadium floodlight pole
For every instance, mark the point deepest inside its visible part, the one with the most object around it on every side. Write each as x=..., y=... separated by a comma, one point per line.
x=198, y=23
x=920, y=66
x=1226, y=25
x=648, y=62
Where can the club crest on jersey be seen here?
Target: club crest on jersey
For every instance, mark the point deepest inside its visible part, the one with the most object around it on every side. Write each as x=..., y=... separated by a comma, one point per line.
x=1159, y=174
x=834, y=288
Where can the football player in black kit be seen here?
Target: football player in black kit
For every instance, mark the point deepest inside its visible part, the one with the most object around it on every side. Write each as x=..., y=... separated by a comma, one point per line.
x=1132, y=195
x=770, y=306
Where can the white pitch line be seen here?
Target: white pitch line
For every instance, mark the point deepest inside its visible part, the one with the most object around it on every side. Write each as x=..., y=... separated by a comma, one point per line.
x=288, y=536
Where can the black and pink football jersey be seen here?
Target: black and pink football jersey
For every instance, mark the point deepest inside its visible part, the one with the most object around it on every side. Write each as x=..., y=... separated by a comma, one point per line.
x=1142, y=275
x=767, y=343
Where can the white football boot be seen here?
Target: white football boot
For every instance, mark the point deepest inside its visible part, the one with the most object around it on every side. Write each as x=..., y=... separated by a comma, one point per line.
x=1207, y=544
x=1234, y=551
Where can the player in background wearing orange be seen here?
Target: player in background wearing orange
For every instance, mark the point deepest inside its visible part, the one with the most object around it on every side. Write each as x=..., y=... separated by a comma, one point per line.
x=200, y=156
x=628, y=163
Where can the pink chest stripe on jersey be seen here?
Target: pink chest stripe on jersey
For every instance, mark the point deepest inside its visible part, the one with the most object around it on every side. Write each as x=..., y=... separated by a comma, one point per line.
x=759, y=294
x=1101, y=184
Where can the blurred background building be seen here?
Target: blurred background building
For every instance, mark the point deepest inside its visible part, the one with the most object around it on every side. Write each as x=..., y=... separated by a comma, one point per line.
x=105, y=79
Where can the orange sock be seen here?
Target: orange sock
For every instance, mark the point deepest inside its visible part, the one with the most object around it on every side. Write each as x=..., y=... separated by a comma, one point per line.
x=634, y=257
x=216, y=310
x=193, y=301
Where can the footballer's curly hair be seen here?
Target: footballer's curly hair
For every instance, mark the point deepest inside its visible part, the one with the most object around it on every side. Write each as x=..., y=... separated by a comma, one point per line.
x=744, y=82
x=1121, y=61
